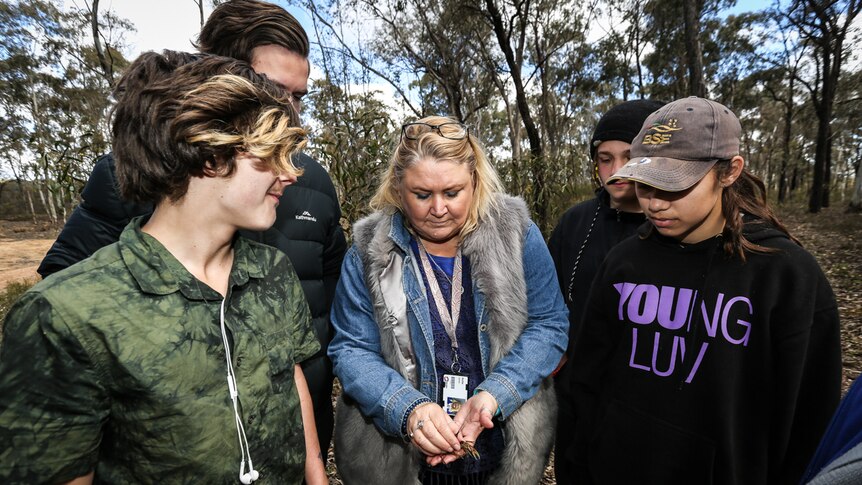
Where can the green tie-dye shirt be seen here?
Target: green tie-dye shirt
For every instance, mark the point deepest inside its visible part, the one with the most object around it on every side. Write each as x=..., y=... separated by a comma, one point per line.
x=117, y=364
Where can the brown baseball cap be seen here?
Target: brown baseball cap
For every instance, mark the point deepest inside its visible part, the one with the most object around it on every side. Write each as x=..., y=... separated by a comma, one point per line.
x=679, y=144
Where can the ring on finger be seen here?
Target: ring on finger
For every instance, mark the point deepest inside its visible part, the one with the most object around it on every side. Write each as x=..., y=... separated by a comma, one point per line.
x=420, y=424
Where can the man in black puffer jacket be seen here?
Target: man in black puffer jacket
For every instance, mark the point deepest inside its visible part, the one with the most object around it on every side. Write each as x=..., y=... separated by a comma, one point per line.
x=307, y=226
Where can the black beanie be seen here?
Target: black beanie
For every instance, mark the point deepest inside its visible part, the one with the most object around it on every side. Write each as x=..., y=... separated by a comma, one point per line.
x=622, y=122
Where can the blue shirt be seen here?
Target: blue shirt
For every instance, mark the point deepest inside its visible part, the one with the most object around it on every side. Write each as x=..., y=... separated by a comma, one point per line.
x=490, y=442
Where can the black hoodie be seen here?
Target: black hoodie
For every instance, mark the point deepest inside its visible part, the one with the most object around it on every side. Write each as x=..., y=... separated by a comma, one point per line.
x=585, y=233
x=579, y=244
x=694, y=367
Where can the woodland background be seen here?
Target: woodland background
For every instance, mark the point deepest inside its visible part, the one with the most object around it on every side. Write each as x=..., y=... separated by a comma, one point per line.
x=530, y=77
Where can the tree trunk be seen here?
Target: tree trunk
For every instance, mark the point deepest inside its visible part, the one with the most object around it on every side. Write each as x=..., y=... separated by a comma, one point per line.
x=785, y=148
x=823, y=109
x=32, y=207
x=61, y=202
x=637, y=45
x=815, y=202
x=538, y=200
x=767, y=162
x=48, y=204
x=833, y=27
x=693, y=51
x=200, y=4
x=856, y=200
x=107, y=68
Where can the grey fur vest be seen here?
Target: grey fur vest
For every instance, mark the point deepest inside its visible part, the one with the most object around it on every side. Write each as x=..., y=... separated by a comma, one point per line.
x=363, y=454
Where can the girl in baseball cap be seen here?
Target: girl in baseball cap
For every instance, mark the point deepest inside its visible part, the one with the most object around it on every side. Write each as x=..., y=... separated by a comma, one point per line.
x=709, y=349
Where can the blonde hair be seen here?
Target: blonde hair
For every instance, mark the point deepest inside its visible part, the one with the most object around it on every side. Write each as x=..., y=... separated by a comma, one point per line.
x=179, y=115
x=430, y=145
x=271, y=136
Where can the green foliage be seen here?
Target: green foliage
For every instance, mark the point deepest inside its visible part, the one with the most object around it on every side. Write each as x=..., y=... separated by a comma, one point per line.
x=8, y=297
x=353, y=141
x=54, y=97
x=530, y=78
x=577, y=59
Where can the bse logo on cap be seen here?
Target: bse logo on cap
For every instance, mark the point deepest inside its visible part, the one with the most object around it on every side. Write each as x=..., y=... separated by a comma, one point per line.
x=663, y=134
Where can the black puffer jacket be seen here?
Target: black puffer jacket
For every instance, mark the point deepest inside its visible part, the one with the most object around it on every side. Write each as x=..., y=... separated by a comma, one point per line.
x=307, y=228
x=96, y=222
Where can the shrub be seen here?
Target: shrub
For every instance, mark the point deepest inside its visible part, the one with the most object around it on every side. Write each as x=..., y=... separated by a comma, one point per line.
x=9, y=296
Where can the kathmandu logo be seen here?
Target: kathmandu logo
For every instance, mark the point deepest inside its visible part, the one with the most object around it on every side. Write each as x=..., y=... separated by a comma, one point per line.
x=305, y=216
x=663, y=133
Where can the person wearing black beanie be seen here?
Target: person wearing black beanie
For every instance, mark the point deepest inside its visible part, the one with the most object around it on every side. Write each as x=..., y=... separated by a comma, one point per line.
x=586, y=233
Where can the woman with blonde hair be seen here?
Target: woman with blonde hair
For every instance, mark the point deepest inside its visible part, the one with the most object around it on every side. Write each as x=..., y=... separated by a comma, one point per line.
x=448, y=321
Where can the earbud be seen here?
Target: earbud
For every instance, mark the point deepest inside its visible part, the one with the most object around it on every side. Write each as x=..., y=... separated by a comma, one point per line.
x=247, y=478
x=252, y=475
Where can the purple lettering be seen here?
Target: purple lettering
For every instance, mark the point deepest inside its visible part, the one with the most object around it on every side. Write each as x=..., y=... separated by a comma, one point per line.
x=665, y=307
x=712, y=326
x=691, y=311
x=697, y=361
x=625, y=290
x=655, y=351
x=634, y=351
x=643, y=304
x=742, y=323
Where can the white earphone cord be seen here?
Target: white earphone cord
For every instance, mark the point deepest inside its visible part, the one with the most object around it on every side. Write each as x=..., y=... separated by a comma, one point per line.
x=252, y=474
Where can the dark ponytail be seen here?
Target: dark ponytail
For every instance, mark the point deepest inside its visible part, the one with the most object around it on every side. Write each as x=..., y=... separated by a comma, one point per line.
x=746, y=195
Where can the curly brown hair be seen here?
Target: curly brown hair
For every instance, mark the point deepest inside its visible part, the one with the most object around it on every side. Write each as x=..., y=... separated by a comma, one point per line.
x=179, y=114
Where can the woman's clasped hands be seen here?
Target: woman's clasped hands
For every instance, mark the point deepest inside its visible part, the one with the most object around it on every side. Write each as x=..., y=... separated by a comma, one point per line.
x=439, y=437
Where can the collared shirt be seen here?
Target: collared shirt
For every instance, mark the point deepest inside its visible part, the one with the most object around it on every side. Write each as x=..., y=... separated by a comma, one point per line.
x=117, y=364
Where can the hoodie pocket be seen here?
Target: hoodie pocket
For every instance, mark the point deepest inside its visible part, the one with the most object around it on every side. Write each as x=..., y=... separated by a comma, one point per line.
x=631, y=446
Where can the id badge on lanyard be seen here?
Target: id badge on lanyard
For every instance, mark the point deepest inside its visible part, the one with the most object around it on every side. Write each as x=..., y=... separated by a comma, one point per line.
x=454, y=384
x=454, y=393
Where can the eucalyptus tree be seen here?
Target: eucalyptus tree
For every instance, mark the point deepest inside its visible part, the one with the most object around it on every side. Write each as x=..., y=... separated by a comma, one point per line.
x=53, y=97
x=353, y=139
x=824, y=25
x=482, y=62
x=684, y=56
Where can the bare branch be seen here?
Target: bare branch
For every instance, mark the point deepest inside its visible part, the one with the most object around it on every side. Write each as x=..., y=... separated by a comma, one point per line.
x=346, y=50
x=107, y=68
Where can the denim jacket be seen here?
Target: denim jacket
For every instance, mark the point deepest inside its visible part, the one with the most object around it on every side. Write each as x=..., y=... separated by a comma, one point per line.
x=512, y=376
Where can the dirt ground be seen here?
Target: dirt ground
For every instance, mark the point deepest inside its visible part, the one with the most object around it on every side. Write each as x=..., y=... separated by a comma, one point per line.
x=22, y=246
x=833, y=236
